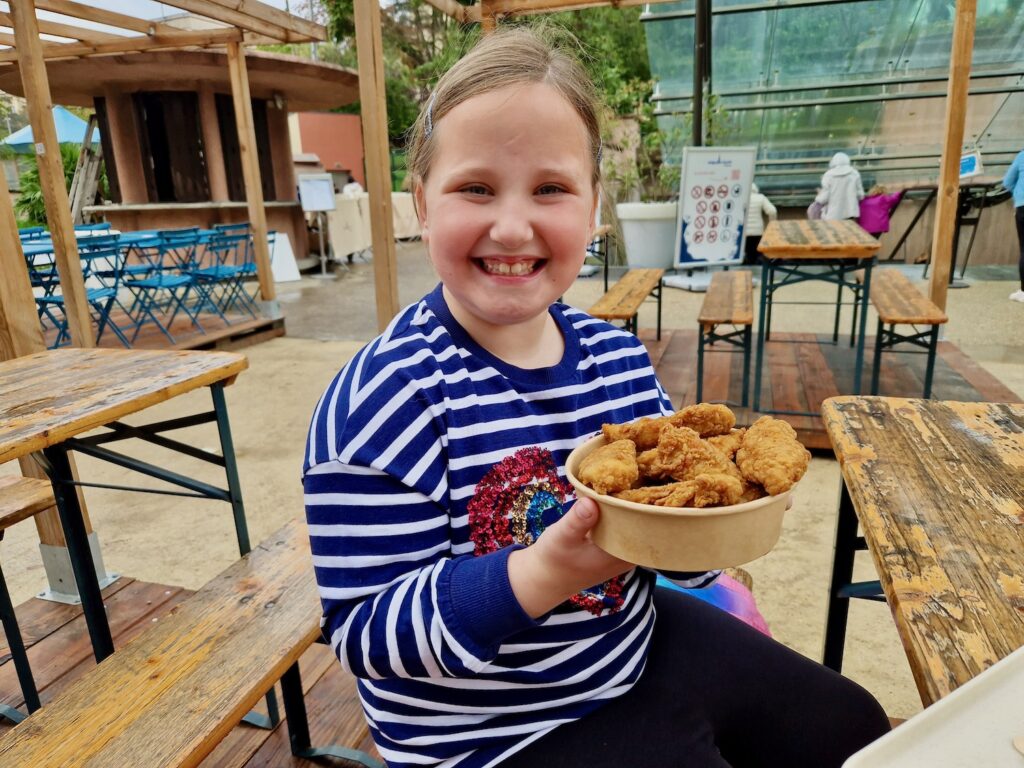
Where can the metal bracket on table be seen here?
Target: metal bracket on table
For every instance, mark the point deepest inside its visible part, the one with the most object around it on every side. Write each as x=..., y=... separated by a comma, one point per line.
x=60, y=577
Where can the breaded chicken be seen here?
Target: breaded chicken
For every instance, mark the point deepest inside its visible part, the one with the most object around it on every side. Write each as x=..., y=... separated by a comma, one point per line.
x=682, y=455
x=706, y=419
x=705, y=490
x=728, y=444
x=771, y=456
x=611, y=467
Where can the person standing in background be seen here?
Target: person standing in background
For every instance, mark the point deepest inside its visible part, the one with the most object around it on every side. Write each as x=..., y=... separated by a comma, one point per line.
x=759, y=207
x=876, y=210
x=841, y=190
x=1014, y=181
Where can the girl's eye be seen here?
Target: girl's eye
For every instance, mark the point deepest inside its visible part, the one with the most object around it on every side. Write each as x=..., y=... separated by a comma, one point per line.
x=474, y=189
x=550, y=189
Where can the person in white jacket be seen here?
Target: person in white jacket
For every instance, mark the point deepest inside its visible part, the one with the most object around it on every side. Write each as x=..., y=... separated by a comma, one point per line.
x=841, y=189
x=759, y=207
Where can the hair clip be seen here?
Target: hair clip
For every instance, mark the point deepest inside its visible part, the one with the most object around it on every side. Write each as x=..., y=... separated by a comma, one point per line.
x=428, y=127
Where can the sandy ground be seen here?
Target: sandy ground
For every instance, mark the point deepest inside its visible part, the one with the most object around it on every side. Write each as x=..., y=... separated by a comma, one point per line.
x=186, y=542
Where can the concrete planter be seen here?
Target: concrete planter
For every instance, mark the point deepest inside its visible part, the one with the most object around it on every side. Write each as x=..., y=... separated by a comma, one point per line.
x=649, y=232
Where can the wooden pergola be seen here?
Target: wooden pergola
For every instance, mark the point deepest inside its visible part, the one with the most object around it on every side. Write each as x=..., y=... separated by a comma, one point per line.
x=232, y=24
x=488, y=13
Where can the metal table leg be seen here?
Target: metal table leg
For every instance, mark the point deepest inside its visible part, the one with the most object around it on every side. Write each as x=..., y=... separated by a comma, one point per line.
x=842, y=574
x=766, y=272
x=58, y=467
x=230, y=467
x=864, y=297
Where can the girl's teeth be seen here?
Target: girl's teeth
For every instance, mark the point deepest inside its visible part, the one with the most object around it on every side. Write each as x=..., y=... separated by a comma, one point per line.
x=504, y=268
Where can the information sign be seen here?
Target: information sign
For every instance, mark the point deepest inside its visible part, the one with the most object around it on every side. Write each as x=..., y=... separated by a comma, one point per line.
x=316, y=192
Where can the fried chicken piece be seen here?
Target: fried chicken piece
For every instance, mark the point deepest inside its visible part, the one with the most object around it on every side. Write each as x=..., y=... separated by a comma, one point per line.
x=751, y=492
x=728, y=444
x=611, y=467
x=705, y=490
x=770, y=455
x=643, y=432
x=682, y=455
x=705, y=419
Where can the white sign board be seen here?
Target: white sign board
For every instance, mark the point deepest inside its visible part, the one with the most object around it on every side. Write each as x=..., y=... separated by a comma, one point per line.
x=316, y=192
x=714, y=190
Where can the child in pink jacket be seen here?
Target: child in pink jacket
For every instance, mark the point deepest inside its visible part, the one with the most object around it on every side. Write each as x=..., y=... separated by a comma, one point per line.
x=876, y=208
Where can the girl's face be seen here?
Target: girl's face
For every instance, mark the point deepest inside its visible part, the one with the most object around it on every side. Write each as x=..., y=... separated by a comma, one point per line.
x=508, y=206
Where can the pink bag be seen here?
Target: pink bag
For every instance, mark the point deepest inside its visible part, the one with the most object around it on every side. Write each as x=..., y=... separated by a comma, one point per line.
x=814, y=210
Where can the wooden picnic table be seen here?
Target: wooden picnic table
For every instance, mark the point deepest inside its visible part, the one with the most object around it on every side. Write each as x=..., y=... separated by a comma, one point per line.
x=938, y=490
x=796, y=251
x=49, y=400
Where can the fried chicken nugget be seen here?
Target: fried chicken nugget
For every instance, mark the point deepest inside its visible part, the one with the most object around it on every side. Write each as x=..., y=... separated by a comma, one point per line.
x=729, y=443
x=682, y=455
x=706, y=419
x=611, y=467
x=705, y=490
x=770, y=455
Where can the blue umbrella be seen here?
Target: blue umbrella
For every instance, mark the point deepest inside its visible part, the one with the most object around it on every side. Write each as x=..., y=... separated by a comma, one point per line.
x=70, y=130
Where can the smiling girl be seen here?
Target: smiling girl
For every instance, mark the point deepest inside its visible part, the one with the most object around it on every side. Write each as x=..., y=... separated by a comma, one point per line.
x=458, y=580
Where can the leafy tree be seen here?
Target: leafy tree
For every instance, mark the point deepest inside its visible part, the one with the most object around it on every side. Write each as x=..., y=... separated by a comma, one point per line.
x=30, y=207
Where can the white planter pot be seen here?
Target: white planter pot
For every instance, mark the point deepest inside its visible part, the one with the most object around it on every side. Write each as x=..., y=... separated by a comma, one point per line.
x=649, y=231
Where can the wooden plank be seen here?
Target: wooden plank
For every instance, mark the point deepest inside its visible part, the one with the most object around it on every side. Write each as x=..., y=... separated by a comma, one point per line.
x=225, y=647
x=20, y=333
x=807, y=239
x=71, y=31
x=180, y=39
x=938, y=490
x=813, y=371
x=21, y=498
x=50, y=396
x=952, y=148
x=102, y=16
x=51, y=171
x=987, y=386
x=256, y=17
x=450, y=8
x=897, y=300
x=729, y=299
x=58, y=654
x=374, y=119
x=251, y=168
x=625, y=298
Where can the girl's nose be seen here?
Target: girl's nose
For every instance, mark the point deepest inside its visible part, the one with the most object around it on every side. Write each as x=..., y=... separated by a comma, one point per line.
x=511, y=228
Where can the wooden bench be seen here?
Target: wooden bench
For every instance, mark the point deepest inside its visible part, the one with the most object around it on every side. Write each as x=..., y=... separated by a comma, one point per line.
x=169, y=696
x=624, y=299
x=898, y=302
x=20, y=499
x=729, y=301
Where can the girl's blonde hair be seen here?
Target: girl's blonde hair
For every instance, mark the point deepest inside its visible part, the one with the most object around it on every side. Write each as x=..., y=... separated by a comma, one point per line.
x=510, y=56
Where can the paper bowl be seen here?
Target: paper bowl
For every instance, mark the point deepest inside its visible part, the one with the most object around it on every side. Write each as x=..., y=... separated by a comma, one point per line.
x=681, y=538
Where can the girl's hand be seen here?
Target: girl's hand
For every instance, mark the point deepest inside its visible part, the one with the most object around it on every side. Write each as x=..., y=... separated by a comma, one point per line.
x=562, y=562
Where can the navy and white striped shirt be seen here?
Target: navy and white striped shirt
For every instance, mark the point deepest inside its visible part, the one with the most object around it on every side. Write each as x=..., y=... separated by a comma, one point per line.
x=429, y=460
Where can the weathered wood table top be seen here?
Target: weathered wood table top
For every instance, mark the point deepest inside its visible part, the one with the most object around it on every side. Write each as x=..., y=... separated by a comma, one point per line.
x=816, y=239
x=939, y=492
x=50, y=396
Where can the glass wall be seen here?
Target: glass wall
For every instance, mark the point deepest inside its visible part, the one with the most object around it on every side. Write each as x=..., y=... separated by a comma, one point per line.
x=867, y=77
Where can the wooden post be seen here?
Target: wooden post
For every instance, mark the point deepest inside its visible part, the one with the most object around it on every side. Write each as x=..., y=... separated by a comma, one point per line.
x=374, y=116
x=20, y=334
x=488, y=20
x=952, y=148
x=51, y=171
x=212, y=148
x=250, y=167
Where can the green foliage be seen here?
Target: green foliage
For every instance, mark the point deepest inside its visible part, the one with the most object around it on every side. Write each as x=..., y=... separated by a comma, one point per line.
x=30, y=207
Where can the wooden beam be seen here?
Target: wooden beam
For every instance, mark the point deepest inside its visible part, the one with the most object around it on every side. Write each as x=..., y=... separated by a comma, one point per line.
x=101, y=16
x=20, y=333
x=530, y=7
x=250, y=167
x=65, y=30
x=255, y=17
x=374, y=117
x=137, y=43
x=51, y=171
x=488, y=17
x=952, y=148
x=450, y=8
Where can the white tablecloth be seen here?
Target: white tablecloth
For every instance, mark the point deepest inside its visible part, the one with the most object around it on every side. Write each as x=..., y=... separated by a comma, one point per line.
x=349, y=222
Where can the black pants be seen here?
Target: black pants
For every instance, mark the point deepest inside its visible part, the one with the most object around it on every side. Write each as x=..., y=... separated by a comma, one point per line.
x=716, y=693
x=1019, y=217
x=750, y=253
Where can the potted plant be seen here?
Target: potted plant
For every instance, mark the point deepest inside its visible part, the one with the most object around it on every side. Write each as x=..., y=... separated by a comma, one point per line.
x=644, y=189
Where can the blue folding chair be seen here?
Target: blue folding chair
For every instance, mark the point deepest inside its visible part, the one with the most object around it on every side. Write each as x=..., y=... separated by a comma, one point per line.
x=101, y=299
x=101, y=226
x=32, y=233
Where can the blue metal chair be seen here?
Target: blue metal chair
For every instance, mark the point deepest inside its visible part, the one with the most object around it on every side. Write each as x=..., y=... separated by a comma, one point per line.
x=103, y=225
x=108, y=260
x=32, y=233
x=167, y=288
x=232, y=262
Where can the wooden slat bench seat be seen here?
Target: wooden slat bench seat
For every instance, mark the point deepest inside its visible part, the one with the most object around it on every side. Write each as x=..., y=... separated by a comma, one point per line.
x=729, y=301
x=898, y=302
x=20, y=499
x=170, y=695
x=623, y=300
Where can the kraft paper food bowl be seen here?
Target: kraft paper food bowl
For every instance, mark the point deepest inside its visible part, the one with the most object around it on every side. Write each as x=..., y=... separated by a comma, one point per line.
x=681, y=538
